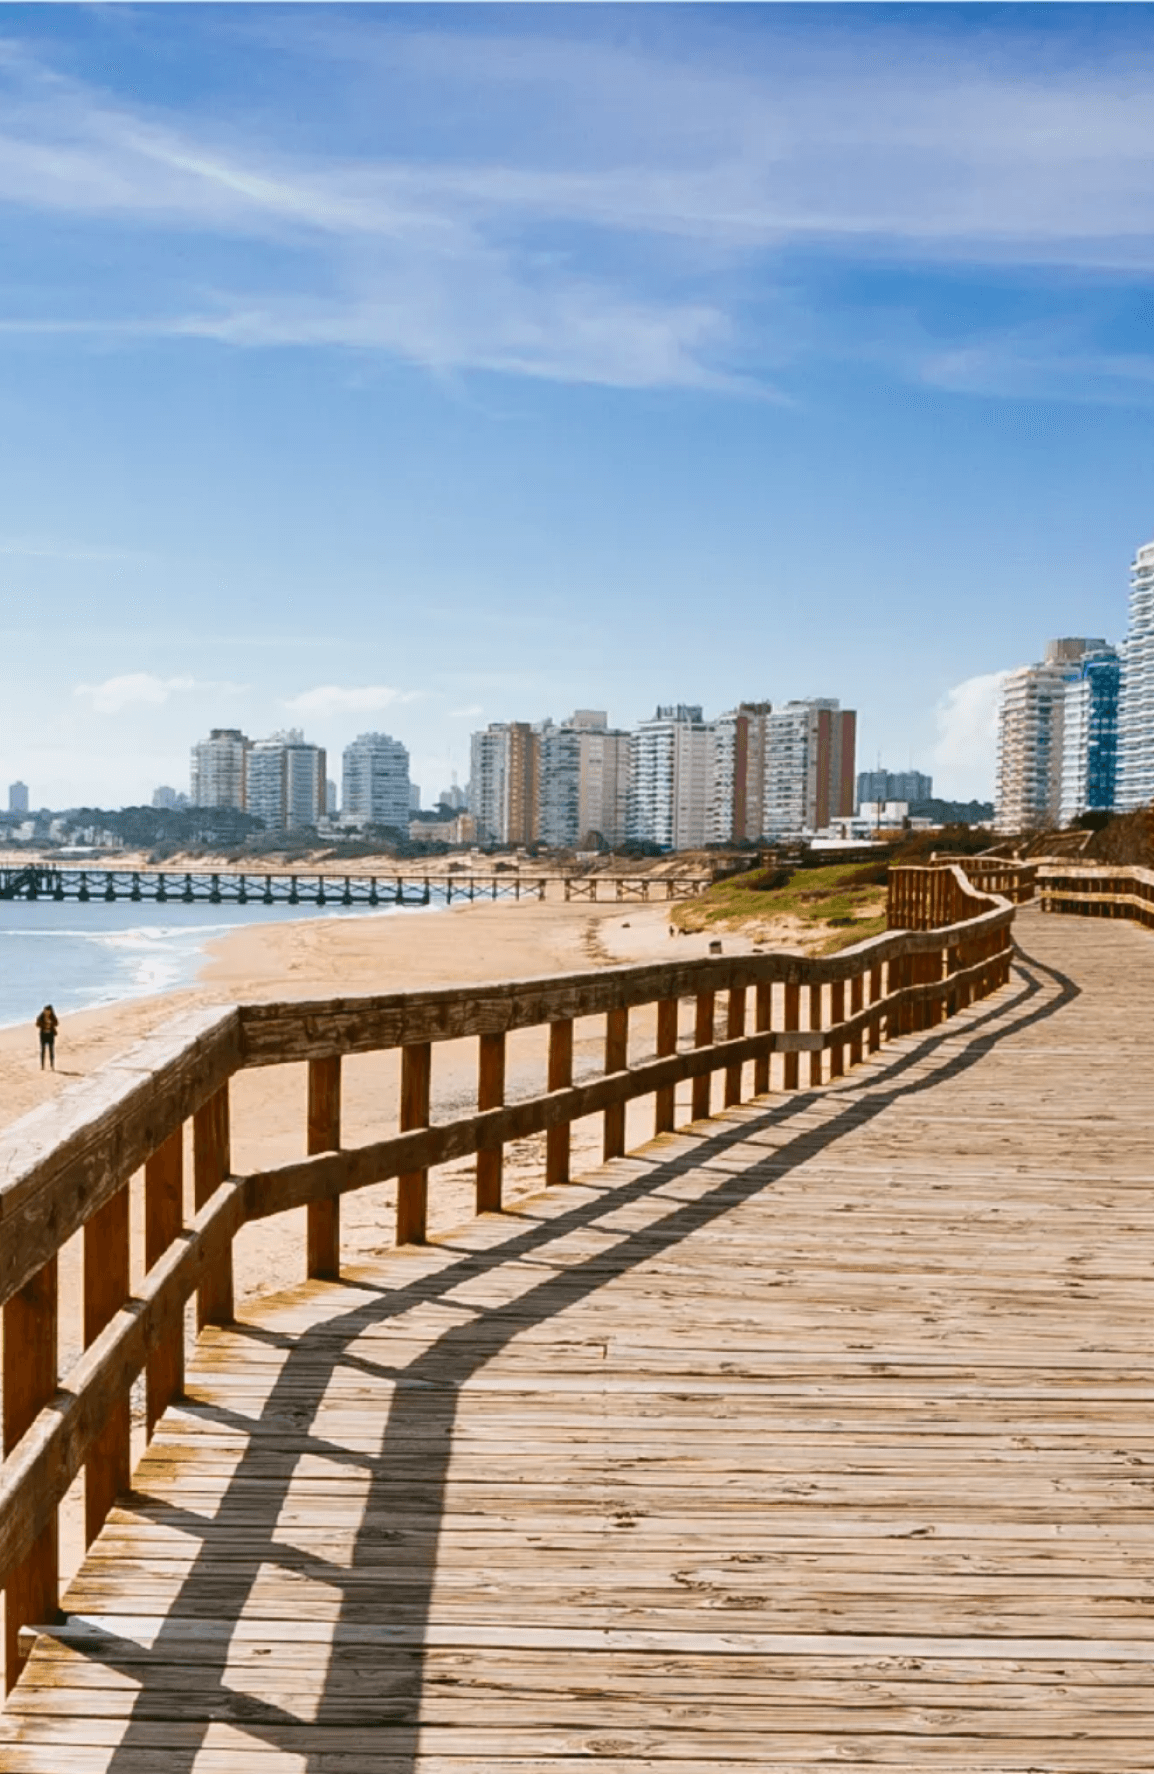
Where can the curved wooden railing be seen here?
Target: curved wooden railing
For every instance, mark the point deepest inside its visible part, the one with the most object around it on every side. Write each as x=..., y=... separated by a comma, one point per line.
x=1097, y=892
x=66, y=1167
x=1010, y=880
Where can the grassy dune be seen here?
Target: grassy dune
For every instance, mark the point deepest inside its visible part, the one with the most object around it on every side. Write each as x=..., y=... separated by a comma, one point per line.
x=832, y=907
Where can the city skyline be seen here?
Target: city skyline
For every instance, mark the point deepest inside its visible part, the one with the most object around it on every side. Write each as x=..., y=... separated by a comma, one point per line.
x=363, y=364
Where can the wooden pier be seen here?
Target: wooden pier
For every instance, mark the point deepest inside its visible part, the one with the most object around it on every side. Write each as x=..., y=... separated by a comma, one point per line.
x=323, y=887
x=817, y=1431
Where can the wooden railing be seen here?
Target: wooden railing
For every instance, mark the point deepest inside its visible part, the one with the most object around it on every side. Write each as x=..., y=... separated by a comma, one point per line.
x=995, y=874
x=66, y=1167
x=1109, y=892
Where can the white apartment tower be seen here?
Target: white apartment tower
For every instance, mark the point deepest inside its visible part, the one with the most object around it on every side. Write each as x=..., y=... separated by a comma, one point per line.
x=1136, y=697
x=504, y=782
x=671, y=786
x=1030, y=718
x=285, y=781
x=217, y=774
x=737, y=808
x=375, y=781
x=809, y=765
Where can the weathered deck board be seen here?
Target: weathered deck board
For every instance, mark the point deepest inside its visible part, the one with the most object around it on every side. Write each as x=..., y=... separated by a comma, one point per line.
x=822, y=1434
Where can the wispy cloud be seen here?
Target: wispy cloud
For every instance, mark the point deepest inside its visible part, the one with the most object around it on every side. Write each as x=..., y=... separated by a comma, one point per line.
x=143, y=689
x=41, y=548
x=645, y=197
x=338, y=699
x=464, y=714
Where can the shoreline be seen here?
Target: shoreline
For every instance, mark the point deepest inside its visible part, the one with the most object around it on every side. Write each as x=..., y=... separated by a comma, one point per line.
x=349, y=955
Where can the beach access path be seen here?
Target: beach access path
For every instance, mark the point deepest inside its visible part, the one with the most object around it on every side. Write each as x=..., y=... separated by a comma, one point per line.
x=818, y=1433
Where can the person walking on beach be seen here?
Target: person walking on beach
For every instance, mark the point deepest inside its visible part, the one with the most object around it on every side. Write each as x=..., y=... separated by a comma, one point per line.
x=48, y=1022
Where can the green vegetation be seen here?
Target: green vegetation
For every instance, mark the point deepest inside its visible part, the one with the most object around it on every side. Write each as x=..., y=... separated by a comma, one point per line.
x=849, y=896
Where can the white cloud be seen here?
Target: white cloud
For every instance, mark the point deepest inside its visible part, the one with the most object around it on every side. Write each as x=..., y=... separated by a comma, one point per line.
x=144, y=689
x=136, y=689
x=967, y=723
x=361, y=699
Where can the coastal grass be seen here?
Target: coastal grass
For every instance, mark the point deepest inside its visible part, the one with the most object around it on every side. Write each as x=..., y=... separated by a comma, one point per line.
x=845, y=900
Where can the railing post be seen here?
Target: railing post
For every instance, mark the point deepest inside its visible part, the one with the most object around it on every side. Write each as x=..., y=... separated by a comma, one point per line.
x=490, y=1095
x=108, y=1466
x=210, y=1166
x=323, y=1234
x=791, y=1062
x=557, y=1139
x=815, y=1023
x=32, y=1593
x=703, y=1015
x=163, y=1219
x=763, y=1022
x=875, y=1023
x=664, y=1109
x=856, y=1004
x=734, y=1030
x=616, y=1060
x=413, y=1187
x=837, y=1016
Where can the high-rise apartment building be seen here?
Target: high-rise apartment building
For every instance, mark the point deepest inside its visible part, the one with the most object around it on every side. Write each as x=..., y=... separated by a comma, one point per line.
x=503, y=784
x=558, y=786
x=809, y=765
x=879, y=786
x=603, y=795
x=671, y=778
x=737, y=808
x=1030, y=718
x=1135, y=783
x=1089, y=761
x=18, y=797
x=285, y=781
x=217, y=775
x=375, y=782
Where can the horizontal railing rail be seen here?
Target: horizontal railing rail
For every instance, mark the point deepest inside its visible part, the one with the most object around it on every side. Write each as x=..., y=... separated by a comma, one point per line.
x=1109, y=891
x=65, y=1169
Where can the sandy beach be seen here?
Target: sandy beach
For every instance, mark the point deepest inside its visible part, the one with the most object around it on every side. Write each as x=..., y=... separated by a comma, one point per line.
x=377, y=953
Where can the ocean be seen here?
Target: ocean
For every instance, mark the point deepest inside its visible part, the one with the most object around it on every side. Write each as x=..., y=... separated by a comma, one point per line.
x=76, y=957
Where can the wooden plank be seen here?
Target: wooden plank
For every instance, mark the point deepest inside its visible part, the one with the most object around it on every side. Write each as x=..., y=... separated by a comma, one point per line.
x=734, y=1030
x=163, y=1219
x=664, y=1102
x=704, y=1011
x=210, y=1167
x=413, y=1185
x=490, y=1095
x=616, y=1060
x=106, y=1471
x=560, y=1077
x=323, y=1228
x=763, y=1021
x=31, y=1577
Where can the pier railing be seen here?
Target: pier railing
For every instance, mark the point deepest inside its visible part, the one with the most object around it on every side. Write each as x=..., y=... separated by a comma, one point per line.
x=1108, y=892
x=65, y=1169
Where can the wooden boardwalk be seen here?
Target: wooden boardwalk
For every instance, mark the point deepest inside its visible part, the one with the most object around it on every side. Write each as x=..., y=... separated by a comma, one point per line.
x=820, y=1434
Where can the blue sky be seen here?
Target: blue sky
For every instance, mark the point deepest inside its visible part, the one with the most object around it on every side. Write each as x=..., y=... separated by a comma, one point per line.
x=410, y=368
